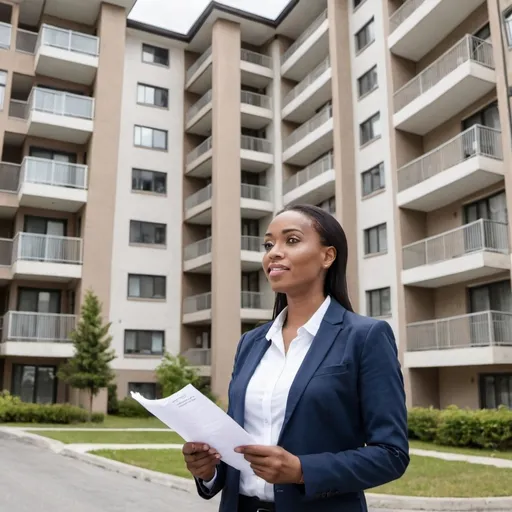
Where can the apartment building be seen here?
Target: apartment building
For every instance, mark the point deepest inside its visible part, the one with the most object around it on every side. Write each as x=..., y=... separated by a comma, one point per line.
x=146, y=166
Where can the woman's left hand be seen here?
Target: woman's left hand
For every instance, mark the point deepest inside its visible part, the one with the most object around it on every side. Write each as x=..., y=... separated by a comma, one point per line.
x=273, y=464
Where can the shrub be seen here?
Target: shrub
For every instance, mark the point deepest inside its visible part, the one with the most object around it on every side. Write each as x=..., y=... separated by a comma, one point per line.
x=423, y=423
x=130, y=408
x=113, y=402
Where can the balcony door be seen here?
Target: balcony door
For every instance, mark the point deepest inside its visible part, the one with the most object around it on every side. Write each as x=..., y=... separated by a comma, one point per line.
x=51, y=246
x=34, y=384
x=57, y=171
x=488, y=117
x=32, y=326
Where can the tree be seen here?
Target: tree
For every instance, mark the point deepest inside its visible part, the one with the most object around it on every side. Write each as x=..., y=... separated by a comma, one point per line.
x=89, y=368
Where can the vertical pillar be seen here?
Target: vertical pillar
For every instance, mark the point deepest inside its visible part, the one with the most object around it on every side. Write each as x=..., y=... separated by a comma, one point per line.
x=226, y=225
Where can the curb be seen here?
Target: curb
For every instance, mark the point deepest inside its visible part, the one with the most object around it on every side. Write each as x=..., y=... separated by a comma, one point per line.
x=378, y=501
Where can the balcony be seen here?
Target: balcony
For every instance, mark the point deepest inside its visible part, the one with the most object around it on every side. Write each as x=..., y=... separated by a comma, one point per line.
x=307, y=51
x=9, y=183
x=199, y=160
x=56, y=115
x=313, y=184
x=475, y=250
x=197, y=309
x=256, y=110
x=255, y=69
x=200, y=359
x=471, y=161
x=418, y=26
x=28, y=334
x=198, y=78
x=255, y=201
x=5, y=35
x=256, y=307
x=198, y=255
x=255, y=153
x=310, y=140
x=476, y=339
x=309, y=95
x=198, y=119
x=198, y=207
x=62, y=53
x=453, y=82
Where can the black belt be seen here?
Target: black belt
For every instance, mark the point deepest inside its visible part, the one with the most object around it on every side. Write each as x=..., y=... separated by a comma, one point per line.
x=251, y=504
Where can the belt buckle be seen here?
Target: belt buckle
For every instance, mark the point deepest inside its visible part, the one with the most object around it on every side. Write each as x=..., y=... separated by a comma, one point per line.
x=262, y=510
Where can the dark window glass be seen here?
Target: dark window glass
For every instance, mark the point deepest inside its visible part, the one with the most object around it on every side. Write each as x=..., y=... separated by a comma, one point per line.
x=146, y=287
x=149, y=181
x=144, y=342
x=155, y=55
x=378, y=302
x=373, y=179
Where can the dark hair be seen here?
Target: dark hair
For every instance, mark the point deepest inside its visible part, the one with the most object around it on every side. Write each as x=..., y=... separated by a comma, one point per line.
x=331, y=234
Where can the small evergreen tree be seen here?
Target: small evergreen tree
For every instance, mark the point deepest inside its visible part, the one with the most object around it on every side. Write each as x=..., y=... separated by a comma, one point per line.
x=89, y=368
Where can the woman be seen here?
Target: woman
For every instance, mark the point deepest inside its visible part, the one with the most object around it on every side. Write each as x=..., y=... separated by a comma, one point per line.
x=319, y=389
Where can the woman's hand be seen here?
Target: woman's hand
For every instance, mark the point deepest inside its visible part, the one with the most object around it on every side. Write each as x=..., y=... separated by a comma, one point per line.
x=273, y=463
x=201, y=460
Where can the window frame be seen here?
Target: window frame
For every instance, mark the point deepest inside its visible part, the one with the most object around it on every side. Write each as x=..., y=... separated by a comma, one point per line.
x=362, y=30
x=369, y=72
x=139, y=352
x=146, y=46
x=154, y=174
x=368, y=240
x=150, y=224
x=156, y=88
x=154, y=278
x=370, y=121
x=375, y=172
x=153, y=130
x=481, y=386
x=152, y=384
x=380, y=291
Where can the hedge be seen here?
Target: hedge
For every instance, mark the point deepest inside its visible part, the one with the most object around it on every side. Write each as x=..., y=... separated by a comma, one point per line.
x=481, y=428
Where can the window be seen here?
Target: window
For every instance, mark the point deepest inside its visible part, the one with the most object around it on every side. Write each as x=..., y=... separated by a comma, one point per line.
x=488, y=116
x=149, y=95
x=365, y=36
x=150, y=137
x=373, y=180
x=357, y=3
x=155, y=55
x=146, y=287
x=329, y=205
x=375, y=239
x=370, y=129
x=250, y=281
x=508, y=26
x=367, y=82
x=34, y=384
x=250, y=227
x=3, y=80
x=144, y=342
x=147, y=233
x=146, y=389
x=378, y=302
x=496, y=390
x=149, y=181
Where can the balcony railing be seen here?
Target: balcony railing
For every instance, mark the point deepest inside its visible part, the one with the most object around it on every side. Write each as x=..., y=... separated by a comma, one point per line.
x=26, y=41
x=205, y=146
x=254, y=300
x=198, y=197
x=481, y=235
x=198, y=105
x=306, y=82
x=252, y=243
x=28, y=326
x=9, y=177
x=309, y=126
x=196, y=303
x=52, y=172
x=302, y=38
x=5, y=252
x=402, y=13
x=313, y=170
x=257, y=100
x=256, y=58
x=483, y=329
x=470, y=48
x=198, y=356
x=255, y=144
x=197, y=64
x=476, y=141
x=197, y=249
x=47, y=248
x=5, y=35
x=257, y=192
x=18, y=109
x=69, y=40
x=61, y=103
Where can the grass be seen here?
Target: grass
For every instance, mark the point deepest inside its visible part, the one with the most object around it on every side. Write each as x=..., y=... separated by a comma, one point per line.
x=425, y=476
x=103, y=437
x=464, y=451
x=110, y=422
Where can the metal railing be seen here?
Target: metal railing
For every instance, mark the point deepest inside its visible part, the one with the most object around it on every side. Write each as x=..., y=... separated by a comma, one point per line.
x=198, y=197
x=205, y=146
x=197, y=249
x=52, y=172
x=402, y=13
x=256, y=58
x=198, y=105
x=483, y=329
x=309, y=126
x=303, y=37
x=9, y=177
x=196, y=303
x=481, y=235
x=68, y=40
x=5, y=35
x=18, y=109
x=47, y=248
x=306, y=82
x=258, y=192
x=255, y=144
x=28, y=326
x=61, y=103
x=255, y=99
x=252, y=243
x=197, y=64
x=5, y=252
x=198, y=356
x=313, y=170
x=476, y=141
x=254, y=300
x=469, y=48
x=26, y=41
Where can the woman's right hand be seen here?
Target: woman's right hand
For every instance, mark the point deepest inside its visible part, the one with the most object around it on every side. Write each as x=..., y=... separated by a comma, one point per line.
x=201, y=460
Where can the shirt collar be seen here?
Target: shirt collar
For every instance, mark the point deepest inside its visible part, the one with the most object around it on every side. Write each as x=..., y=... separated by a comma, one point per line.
x=311, y=326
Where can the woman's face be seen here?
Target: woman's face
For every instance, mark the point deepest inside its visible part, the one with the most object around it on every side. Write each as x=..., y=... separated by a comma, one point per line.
x=295, y=261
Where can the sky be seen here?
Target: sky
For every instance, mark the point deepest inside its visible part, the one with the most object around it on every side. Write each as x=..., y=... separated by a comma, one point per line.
x=179, y=15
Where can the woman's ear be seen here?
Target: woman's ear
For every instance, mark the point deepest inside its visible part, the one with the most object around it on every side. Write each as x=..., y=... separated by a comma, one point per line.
x=329, y=257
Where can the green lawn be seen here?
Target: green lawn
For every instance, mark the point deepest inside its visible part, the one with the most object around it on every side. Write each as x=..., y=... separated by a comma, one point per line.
x=110, y=422
x=425, y=476
x=103, y=437
x=463, y=451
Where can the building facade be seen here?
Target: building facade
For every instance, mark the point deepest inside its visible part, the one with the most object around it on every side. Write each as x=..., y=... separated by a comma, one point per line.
x=145, y=165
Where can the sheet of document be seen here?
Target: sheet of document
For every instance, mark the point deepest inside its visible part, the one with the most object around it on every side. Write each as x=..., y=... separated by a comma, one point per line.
x=197, y=419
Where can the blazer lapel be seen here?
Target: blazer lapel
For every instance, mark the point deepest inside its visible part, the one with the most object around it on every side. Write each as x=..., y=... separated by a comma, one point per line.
x=329, y=329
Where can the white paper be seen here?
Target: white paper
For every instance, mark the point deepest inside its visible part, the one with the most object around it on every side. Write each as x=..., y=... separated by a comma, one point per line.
x=197, y=419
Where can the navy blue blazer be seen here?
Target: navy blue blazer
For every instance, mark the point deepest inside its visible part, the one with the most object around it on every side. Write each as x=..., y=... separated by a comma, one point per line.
x=346, y=417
